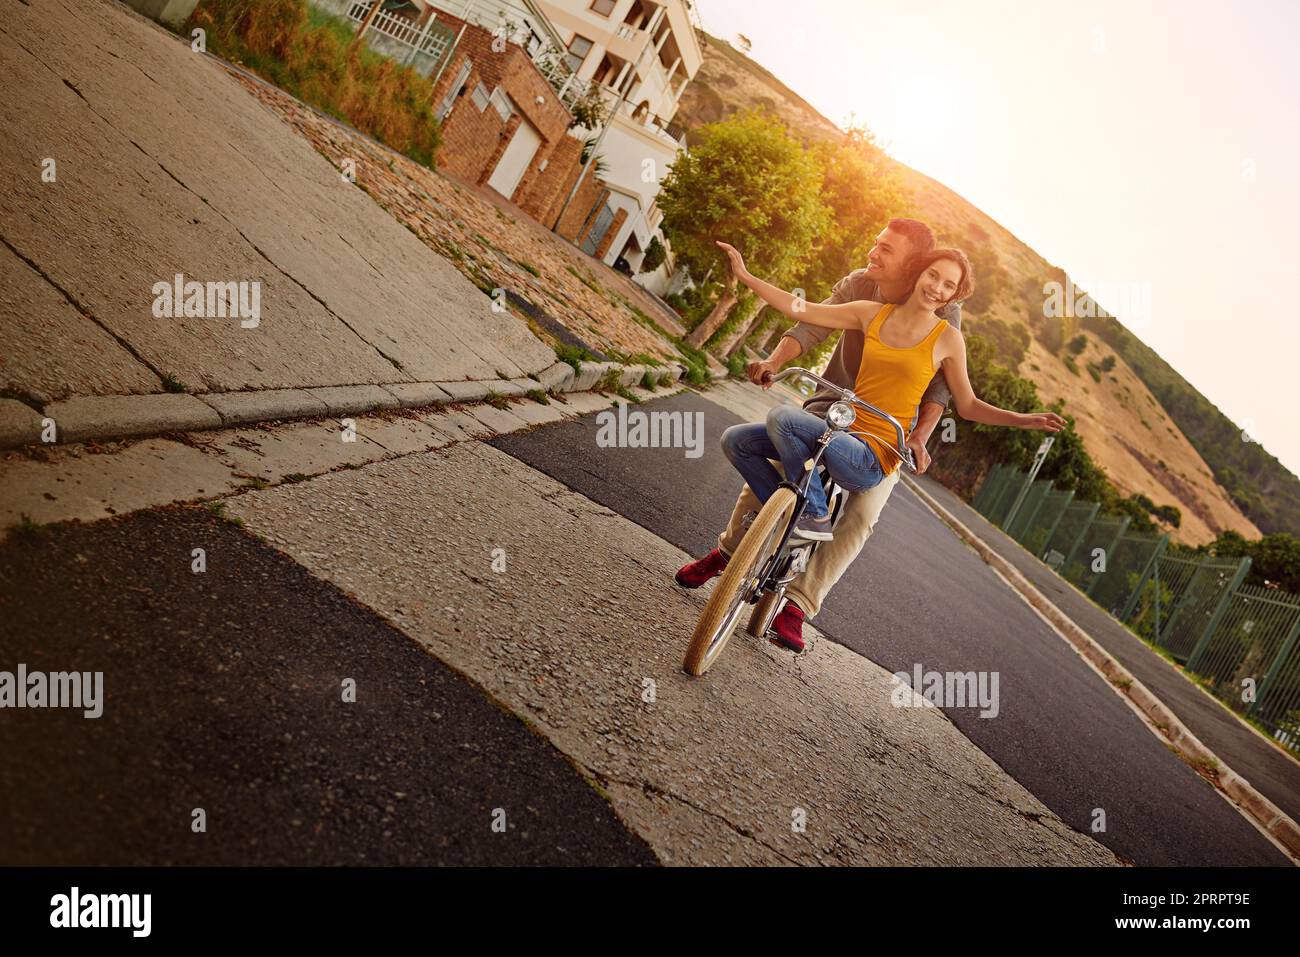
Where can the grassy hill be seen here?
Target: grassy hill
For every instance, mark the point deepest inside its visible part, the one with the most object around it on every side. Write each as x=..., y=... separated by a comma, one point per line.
x=1145, y=425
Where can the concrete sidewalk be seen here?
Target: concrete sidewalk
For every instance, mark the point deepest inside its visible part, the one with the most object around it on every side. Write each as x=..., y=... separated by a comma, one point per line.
x=564, y=611
x=163, y=165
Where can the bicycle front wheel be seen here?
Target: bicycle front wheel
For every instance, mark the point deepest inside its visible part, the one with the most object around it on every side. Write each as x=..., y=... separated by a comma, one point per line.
x=736, y=587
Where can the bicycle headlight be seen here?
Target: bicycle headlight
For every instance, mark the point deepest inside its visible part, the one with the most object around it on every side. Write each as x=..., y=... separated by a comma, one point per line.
x=841, y=414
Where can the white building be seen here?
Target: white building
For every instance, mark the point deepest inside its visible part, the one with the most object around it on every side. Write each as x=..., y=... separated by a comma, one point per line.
x=642, y=54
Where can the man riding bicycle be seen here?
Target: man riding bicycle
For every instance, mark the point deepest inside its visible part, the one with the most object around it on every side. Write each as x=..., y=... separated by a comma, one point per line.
x=884, y=279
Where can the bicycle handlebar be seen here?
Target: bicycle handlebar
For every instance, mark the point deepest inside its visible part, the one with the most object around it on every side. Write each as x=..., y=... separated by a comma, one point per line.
x=848, y=395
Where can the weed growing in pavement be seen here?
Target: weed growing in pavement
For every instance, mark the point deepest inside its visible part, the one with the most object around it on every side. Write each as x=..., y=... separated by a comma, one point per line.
x=538, y=395
x=27, y=529
x=218, y=508
x=173, y=384
x=609, y=382
x=496, y=400
x=574, y=355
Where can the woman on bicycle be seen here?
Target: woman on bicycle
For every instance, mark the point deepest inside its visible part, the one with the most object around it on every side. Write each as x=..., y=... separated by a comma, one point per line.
x=905, y=345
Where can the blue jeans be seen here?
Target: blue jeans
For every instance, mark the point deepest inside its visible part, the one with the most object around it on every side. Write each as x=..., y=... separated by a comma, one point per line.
x=790, y=435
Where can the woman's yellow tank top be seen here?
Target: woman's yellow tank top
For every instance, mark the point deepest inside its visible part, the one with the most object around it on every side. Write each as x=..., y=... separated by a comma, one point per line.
x=893, y=380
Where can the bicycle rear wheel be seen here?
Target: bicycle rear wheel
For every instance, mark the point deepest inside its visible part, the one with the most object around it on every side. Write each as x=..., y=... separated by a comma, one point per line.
x=723, y=610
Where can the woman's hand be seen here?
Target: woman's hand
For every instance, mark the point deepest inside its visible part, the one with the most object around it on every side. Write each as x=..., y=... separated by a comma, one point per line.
x=735, y=259
x=1043, y=421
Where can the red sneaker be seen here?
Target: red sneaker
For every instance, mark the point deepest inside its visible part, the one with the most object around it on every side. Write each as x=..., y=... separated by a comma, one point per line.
x=787, y=627
x=698, y=572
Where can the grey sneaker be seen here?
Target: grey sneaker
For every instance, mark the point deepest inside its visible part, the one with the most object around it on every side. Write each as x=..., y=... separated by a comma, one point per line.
x=811, y=529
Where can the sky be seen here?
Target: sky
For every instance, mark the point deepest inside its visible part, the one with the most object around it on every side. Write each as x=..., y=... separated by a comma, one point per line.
x=1148, y=147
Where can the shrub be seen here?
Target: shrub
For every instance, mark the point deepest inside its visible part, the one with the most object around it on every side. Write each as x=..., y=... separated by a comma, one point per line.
x=304, y=51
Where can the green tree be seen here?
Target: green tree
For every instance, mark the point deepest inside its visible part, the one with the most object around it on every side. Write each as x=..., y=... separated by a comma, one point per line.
x=1274, y=558
x=654, y=255
x=748, y=182
x=861, y=188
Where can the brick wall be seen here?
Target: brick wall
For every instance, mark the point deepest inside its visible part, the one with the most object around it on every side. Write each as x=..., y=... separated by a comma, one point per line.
x=473, y=141
x=620, y=218
x=592, y=194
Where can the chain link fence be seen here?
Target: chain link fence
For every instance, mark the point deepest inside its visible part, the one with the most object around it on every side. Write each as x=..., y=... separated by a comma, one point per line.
x=1241, y=642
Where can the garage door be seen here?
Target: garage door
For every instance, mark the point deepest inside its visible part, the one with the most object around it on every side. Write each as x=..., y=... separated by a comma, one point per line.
x=519, y=153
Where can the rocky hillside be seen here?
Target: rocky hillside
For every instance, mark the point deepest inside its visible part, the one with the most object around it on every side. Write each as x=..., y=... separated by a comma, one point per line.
x=1127, y=429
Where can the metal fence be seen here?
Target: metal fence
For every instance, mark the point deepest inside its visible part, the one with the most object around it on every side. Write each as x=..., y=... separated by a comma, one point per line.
x=1241, y=642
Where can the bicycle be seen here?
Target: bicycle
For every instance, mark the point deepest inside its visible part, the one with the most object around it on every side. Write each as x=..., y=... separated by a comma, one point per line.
x=766, y=561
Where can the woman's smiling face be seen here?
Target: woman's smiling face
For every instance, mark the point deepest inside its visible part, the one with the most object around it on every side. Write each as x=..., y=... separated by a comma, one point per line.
x=938, y=284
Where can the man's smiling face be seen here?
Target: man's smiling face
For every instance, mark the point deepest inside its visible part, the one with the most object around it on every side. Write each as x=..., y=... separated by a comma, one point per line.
x=887, y=260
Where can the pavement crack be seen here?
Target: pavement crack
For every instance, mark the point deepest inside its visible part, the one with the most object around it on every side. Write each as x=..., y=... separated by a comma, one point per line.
x=81, y=307
x=261, y=252
x=109, y=123
x=653, y=789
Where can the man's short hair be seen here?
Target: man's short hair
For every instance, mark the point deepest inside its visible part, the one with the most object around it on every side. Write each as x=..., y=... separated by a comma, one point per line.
x=918, y=234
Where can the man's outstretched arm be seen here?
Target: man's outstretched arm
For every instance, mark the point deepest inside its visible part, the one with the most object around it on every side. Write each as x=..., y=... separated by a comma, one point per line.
x=803, y=336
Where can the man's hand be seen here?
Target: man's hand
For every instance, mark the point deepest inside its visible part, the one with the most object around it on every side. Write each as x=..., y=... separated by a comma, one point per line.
x=921, y=456
x=756, y=371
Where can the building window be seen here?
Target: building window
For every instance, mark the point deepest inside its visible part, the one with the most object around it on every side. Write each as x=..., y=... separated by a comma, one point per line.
x=454, y=90
x=604, y=7
x=480, y=97
x=579, y=47
x=503, y=104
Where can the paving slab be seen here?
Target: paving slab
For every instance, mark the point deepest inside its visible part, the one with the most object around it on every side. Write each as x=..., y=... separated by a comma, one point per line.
x=241, y=408
x=581, y=403
x=355, y=399
x=535, y=413
x=341, y=292
x=417, y=395
x=295, y=448
x=114, y=416
x=469, y=391
x=401, y=435
x=499, y=421
x=19, y=423
x=74, y=483
x=51, y=349
x=558, y=377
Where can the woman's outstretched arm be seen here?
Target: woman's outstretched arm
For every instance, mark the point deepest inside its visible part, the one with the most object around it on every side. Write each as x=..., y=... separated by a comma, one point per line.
x=846, y=315
x=971, y=407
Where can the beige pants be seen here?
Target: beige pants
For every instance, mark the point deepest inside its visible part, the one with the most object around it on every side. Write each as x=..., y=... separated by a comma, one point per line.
x=830, y=559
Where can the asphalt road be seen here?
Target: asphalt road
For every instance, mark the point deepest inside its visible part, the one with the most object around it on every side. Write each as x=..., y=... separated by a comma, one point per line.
x=224, y=691
x=1267, y=767
x=917, y=595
